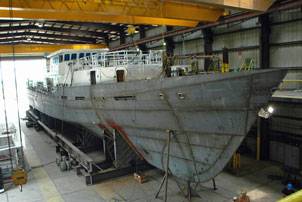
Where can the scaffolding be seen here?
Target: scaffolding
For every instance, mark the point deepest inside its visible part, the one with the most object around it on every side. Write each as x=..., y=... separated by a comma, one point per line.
x=10, y=151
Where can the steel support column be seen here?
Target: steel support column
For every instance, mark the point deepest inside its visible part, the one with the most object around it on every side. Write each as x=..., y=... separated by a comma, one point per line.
x=142, y=34
x=208, y=46
x=122, y=37
x=263, y=139
x=264, y=41
x=106, y=40
x=169, y=43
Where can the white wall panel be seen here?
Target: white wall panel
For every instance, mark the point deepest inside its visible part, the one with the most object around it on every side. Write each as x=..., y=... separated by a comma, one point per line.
x=132, y=38
x=286, y=15
x=236, y=26
x=286, y=32
x=114, y=43
x=155, y=31
x=236, y=40
x=189, y=47
x=286, y=56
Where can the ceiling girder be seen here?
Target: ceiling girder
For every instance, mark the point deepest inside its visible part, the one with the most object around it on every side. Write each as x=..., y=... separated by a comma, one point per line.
x=90, y=25
x=53, y=29
x=43, y=49
x=24, y=39
x=253, y=5
x=47, y=35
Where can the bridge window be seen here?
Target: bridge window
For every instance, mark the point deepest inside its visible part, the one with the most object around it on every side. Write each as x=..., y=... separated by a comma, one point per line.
x=74, y=56
x=81, y=55
x=66, y=57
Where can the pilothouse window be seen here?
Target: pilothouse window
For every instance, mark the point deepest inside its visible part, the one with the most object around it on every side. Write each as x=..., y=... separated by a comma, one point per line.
x=81, y=55
x=66, y=57
x=74, y=56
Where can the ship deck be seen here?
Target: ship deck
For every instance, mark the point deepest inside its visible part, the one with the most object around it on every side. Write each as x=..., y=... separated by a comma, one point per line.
x=288, y=96
x=48, y=182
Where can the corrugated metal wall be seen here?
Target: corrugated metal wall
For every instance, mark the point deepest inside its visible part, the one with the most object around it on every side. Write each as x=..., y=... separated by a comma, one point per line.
x=289, y=37
x=242, y=38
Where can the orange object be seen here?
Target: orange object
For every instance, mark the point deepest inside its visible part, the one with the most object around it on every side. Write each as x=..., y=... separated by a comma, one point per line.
x=19, y=177
x=139, y=177
x=242, y=198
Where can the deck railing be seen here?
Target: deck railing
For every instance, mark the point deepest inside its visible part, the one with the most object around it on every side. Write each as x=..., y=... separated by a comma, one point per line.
x=117, y=59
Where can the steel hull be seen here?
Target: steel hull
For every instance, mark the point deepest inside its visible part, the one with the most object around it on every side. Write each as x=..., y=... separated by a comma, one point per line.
x=210, y=115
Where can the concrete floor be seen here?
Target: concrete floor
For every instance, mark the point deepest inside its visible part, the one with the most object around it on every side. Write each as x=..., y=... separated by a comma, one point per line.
x=48, y=183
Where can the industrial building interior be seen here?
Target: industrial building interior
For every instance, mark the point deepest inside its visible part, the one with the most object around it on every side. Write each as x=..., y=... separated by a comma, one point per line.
x=152, y=100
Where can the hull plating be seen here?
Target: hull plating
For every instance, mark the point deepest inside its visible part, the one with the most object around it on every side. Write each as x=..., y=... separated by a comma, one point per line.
x=210, y=114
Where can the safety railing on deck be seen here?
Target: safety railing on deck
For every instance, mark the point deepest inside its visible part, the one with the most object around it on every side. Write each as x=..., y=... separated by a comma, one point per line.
x=118, y=58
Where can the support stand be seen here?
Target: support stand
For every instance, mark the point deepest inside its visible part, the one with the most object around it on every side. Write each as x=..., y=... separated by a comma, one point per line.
x=165, y=178
x=214, y=184
x=189, y=193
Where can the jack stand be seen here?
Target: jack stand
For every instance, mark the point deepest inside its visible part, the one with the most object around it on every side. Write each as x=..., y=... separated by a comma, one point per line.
x=161, y=185
x=191, y=193
x=214, y=184
x=165, y=178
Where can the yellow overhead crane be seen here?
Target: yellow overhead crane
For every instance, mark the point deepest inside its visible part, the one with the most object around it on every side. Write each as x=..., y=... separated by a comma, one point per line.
x=152, y=12
x=155, y=12
x=158, y=12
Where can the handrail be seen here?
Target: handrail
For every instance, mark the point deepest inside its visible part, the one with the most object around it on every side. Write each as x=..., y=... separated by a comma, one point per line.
x=118, y=59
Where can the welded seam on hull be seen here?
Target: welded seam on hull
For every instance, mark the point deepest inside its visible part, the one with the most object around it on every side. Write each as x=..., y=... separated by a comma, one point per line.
x=229, y=142
x=248, y=100
x=182, y=131
x=246, y=120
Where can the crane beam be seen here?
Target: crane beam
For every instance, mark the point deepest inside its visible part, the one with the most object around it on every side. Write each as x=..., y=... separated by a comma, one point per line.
x=154, y=12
